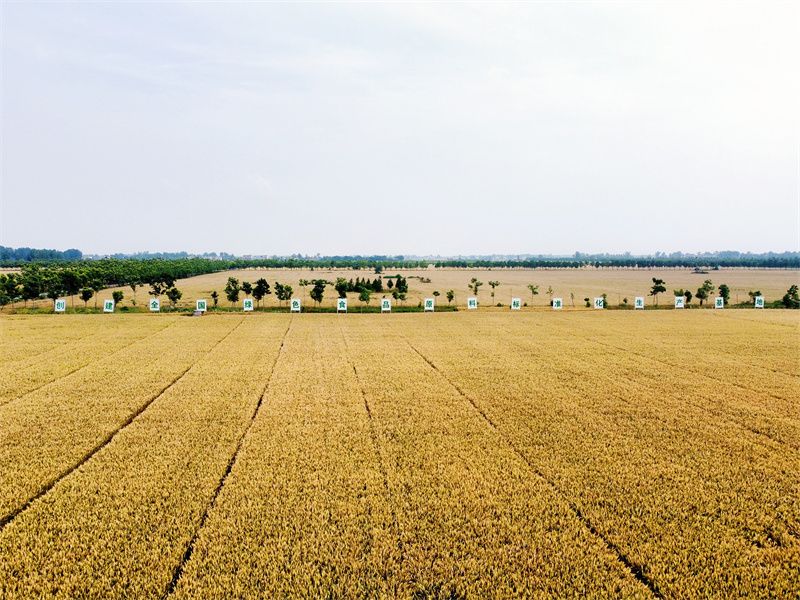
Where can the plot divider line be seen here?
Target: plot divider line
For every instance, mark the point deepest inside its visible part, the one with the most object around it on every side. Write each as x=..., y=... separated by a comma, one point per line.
x=84, y=365
x=4, y=521
x=636, y=570
x=372, y=431
x=187, y=555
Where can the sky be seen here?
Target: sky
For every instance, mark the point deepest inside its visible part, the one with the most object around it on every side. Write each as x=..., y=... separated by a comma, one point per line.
x=415, y=128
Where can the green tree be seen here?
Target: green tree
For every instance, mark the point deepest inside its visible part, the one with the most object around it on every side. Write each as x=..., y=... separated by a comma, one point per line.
x=283, y=292
x=390, y=284
x=232, y=290
x=658, y=288
x=436, y=294
x=450, y=295
x=174, y=294
x=753, y=295
x=688, y=295
x=494, y=284
x=474, y=285
x=342, y=287
x=247, y=288
x=303, y=283
x=364, y=296
x=791, y=299
x=133, y=285
x=117, y=295
x=86, y=295
x=318, y=290
x=261, y=290
x=215, y=297
x=705, y=291
x=589, y=302
x=725, y=293
x=534, y=290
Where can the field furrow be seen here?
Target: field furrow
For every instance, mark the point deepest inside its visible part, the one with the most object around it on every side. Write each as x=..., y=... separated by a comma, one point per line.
x=22, y=376
x=121, y=524
x=656, y=477
x=45, y=434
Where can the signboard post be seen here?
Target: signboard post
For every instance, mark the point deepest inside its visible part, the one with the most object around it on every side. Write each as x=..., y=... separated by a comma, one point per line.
x=61, y=305
x=428, y=304
x=598, y=303
x=386, y=305
x=719, y=302
x=295, y=305
x=759, y=303
x=201, y=305
x=472, y=303
x=155, y=305
x=247, y=306
x=108, y=306
x=341, y=305
x=516, y=303
x=557, y=303
x=638, y=302
x=679, y=301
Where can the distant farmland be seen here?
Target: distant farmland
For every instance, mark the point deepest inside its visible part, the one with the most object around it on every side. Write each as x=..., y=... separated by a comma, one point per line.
x=600, y=454
x=572, y=285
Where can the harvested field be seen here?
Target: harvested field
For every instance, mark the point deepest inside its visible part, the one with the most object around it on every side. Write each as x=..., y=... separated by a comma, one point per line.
x=603, y=454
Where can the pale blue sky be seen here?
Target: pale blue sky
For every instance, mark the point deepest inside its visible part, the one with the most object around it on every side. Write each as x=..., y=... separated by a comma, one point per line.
x=401, y=128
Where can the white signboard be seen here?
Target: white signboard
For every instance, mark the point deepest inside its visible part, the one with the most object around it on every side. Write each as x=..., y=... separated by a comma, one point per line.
x=598, y=303
x=719, y=302
x=155, y=305
x=679, y=301
x=638, y=302
x=295, y=304
x=515, y=303
x=428, y=304
x=759, y=302
x=61, y=305
x=341, y=305
x=248, y=304
x=386, y=305
x=108, y=306
x=557, y=303
x=201, y=305
x=472, y=303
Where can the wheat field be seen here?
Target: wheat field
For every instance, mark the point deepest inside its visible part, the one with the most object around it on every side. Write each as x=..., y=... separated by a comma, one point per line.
x=602, y=454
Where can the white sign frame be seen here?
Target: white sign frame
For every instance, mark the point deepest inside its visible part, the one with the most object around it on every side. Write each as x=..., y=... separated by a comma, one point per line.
x=558, y=303
x=201, y=305
x=719, y=302
x=472, y=303
x=428, y=304
x=598, y=303
x=155, y=305
x=516, y=303
x=386, y=305
x=341, y=305
x=680, y=302
x=294, y=305
x=759, y=302
x=638, y=302
x=61, y=305
x=247, y=305
x=108, y=306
